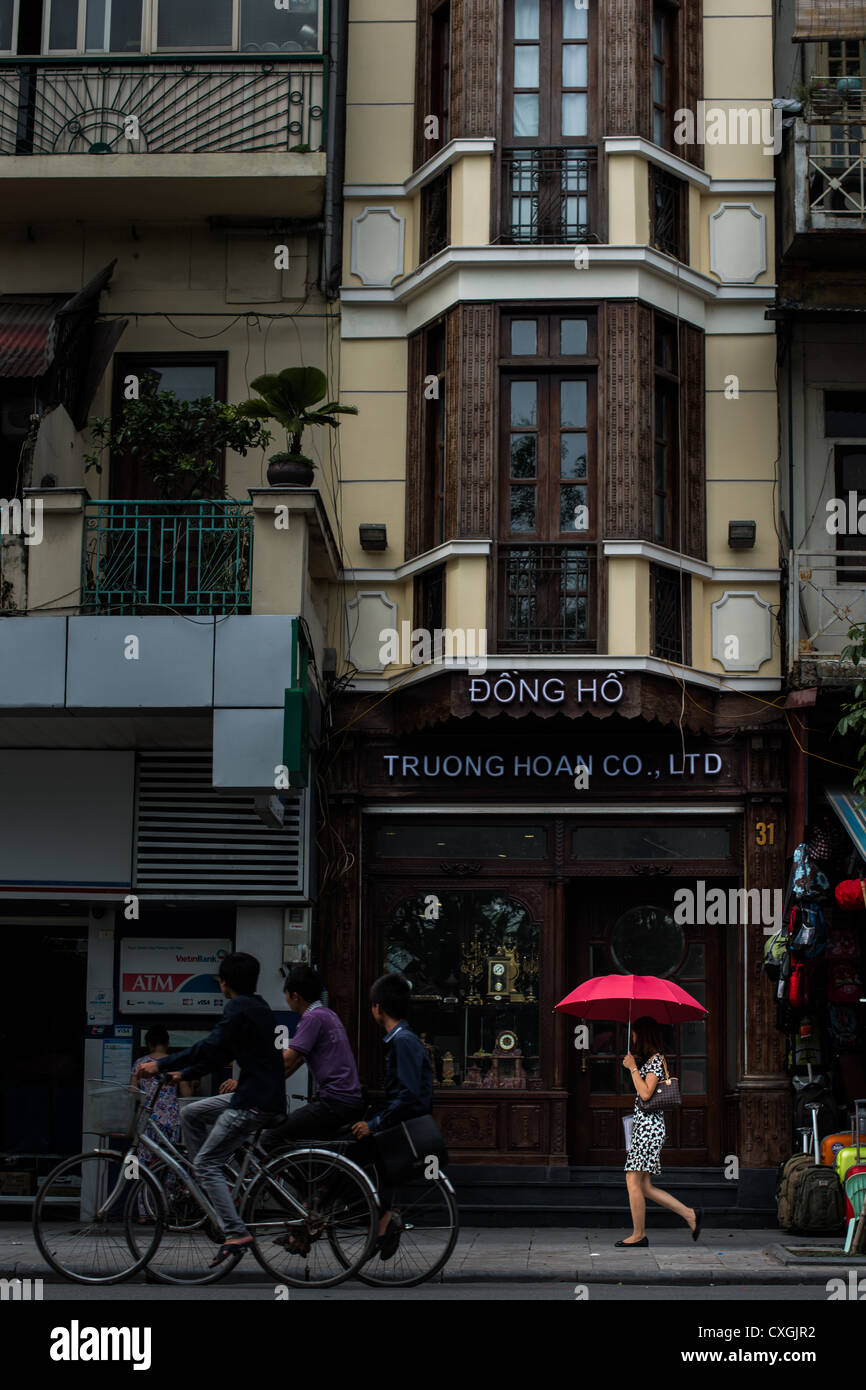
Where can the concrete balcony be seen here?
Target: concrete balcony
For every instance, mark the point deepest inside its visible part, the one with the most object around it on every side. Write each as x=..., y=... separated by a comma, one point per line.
x=146, y=137
x=823, y=187
x=826, y=597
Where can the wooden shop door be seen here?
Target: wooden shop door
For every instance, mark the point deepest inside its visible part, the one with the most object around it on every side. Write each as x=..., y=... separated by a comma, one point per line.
x=621, y=927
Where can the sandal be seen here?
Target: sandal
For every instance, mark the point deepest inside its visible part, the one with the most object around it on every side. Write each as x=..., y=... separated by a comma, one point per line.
x=229, y=1248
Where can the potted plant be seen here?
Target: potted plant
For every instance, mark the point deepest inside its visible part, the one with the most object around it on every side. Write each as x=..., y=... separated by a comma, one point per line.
x=293, y=398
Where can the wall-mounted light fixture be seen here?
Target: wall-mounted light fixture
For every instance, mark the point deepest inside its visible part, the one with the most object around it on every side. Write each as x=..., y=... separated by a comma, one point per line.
x=374, y=535
x=741, y=534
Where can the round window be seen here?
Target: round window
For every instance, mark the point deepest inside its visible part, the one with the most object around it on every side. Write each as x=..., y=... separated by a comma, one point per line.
x=647, y=941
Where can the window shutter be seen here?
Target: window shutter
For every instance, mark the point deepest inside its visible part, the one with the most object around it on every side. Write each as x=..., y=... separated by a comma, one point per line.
x=693, y=432
x=628, y=391
x=816, y=20
x=691, y=66
x=626, y=69
x=477, y=64
x=471, y=438
x=415, y=404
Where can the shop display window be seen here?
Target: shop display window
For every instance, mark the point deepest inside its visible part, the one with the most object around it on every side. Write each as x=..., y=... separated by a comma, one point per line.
x=473, y=962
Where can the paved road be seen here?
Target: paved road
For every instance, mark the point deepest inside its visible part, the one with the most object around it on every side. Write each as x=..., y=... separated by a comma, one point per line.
x=507, y=1291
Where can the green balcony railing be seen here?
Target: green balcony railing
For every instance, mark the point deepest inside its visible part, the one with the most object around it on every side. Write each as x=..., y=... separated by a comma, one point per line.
x=183, y=557
x=161, y=106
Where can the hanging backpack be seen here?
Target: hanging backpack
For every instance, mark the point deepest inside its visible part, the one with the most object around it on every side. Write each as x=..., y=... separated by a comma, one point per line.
x=808, y=880
x=800, y=985
x=809, y=937
x=844, y=983
x=830, y=1114
x=775, y=952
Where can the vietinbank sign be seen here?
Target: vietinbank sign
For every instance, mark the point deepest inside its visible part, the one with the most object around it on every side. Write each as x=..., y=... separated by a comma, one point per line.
x=621, y=766
x=164, y=975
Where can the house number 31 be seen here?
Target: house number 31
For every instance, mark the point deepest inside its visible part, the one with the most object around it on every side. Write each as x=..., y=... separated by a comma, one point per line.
x=765, y=832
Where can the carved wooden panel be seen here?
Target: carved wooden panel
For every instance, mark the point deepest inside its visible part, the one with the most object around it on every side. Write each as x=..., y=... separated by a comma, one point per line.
x=478, y=62
x=765, y=861
x=467, y=1127
x=626, y=69
x=606, y=1129
x=691, y=67
x=693, y=471
x=471, y=436
x=339, y=926
x=525, y=1127
x=629, y=383
x=415, y=404
x=421, y=147
x=765, y=1127
x=693, y=1128
x=557, y=1130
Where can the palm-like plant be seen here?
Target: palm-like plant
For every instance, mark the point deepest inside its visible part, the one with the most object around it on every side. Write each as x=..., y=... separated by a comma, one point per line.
x=293, y=398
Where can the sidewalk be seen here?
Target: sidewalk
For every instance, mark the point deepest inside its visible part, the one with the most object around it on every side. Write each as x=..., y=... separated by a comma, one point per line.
x=577, y=1255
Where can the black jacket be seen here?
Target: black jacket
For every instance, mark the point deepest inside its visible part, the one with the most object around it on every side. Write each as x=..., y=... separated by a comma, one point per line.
x=408, y=1079
x=245, y=1034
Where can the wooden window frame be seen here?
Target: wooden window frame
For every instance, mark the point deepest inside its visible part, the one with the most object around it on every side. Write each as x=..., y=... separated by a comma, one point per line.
x=440, y=187
x=667, y=383
x=436, y=437
x=669, y=17
x=550, y=43
x=680, y=190
x=439, y=76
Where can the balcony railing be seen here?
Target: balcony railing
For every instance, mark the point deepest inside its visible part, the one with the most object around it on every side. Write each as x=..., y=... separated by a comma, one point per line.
x=547, y=195
x=153, y=106
x=547, y=597
x=826, y=597
x=183, y=557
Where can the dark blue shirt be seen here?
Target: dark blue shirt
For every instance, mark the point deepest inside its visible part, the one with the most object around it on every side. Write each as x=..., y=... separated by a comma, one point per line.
x=245, y=1034
x=408, y=1079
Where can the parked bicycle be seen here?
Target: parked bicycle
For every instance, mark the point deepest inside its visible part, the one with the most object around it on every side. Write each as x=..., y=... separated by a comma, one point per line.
x=310, y=1197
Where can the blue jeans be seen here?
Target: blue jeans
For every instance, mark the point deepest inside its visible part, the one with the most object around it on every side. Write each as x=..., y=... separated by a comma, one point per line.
x=231, y=1128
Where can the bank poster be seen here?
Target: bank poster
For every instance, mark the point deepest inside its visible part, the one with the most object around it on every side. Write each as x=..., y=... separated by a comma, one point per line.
x=162, y=975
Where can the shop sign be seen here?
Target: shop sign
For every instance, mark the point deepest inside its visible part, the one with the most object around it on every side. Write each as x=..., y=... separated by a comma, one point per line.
x=164, y=975
x=542, y=689
x=521, y=766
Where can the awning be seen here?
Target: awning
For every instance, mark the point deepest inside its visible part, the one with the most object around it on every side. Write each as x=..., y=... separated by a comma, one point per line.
x=27, y=332
x=818, y=20
x=847, y=806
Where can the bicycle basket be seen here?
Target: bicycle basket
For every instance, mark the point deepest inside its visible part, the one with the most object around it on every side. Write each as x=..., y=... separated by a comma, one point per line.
x=111, y=1108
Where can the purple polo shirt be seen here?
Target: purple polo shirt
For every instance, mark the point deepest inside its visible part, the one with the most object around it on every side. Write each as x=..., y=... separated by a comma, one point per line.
x=321, y=1039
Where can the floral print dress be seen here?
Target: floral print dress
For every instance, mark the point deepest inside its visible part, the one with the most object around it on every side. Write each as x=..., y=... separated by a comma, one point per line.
x=166, y=1113
x=648, y=1133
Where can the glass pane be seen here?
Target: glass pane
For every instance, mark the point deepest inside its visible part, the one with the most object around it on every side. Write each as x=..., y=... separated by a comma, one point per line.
x=693, y=1037
x=525, y=115
x=693, y=1077
x=572, y=403
x=658, y=35
x=845, y=414
x=94, y=26
x=570, y=498
x=658, y=83
x=602, y=1035
x=602, y=1077
x=658, y=127
x=647, y=941
x=124, y=26
x=573, y=337
x=524, y=339
x=525, y=66
x=694, y=965
x=572, y=450
x=63, y=26
x=438, y=841
x=573, y=65
x=659, y=520
x=526, y=19
x=574, y=113
x=698, y=990
x=574, y=21
x=6, y=10
x=660, y=460
x=267, y=29
x=523, y=402
x=188, y=383
x=651, y=842
x=523, y=456
x=194, y=24
x=522, y=510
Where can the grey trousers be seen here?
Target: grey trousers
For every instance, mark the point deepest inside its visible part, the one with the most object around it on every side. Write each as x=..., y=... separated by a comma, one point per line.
x=209, y=1151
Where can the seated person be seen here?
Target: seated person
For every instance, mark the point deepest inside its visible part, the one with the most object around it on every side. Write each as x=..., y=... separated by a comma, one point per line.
x=321, y=1042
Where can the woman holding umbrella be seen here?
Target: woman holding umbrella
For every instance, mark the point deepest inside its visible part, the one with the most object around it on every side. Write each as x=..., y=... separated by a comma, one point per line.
x=648, y=1135
x=613, y=998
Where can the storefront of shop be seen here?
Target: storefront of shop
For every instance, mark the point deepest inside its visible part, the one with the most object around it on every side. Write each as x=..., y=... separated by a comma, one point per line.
x=505, y=852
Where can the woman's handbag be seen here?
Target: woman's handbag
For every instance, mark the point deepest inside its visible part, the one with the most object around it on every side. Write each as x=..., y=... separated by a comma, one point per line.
x=409, y=1145
x=665, y=1096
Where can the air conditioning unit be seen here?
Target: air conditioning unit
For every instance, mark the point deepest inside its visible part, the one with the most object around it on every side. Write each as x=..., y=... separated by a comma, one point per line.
x=15, y=418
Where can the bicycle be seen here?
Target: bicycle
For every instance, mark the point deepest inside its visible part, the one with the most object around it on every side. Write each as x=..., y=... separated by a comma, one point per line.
x=323, y=1202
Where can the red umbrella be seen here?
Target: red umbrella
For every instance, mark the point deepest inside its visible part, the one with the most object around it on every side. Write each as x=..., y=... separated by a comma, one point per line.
x=618, y=997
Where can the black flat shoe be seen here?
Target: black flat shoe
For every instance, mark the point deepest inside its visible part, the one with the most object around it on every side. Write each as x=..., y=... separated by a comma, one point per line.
x=699, y=1216
x=632, y=1244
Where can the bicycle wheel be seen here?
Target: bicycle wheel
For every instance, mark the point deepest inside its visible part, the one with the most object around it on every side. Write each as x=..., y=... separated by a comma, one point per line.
x=85, y=1236
x=425, y=1211
x=190, y=1240
x=326, y=1204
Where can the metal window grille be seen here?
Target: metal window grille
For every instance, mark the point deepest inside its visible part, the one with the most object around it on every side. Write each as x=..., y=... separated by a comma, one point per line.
x=188, y=557
x=434, y=216
x=547, y=597
x=151, y=106
x=547, y=195
x=430, y=599
x=671, y=613
x=666, y=212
